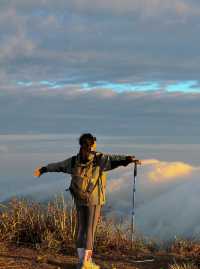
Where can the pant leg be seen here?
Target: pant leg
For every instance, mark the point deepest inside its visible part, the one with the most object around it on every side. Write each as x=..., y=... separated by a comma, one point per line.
x=82, y=216
x=92, y=220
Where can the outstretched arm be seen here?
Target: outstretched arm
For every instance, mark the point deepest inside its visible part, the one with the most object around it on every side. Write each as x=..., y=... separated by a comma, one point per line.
x=63, y=166
x=111, y=161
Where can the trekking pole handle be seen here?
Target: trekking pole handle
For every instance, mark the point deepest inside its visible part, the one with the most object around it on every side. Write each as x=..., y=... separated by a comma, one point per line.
x=136, y=162
x=139, y=162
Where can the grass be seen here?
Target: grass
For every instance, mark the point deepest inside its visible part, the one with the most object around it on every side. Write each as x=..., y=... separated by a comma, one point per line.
x=54, y=227
x=184, y=266
x=30, y=223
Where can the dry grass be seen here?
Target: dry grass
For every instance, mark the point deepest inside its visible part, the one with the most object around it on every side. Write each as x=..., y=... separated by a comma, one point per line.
x=33, y=224
x=113, y=237
x=184, y=266
x=54, y=227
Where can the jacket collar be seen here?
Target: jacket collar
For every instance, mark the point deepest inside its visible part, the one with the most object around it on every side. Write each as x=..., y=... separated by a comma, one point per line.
x=91, y=159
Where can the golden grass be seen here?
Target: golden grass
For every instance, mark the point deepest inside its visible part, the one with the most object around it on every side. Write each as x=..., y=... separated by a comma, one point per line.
x=183, y=266
x=30, y=223
x=54, y=227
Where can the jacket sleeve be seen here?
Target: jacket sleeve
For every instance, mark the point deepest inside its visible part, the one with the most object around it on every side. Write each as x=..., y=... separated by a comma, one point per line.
x=111, y=161
x=63, y=166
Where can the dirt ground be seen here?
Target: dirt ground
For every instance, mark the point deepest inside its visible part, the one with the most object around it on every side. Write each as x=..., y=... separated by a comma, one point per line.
x=12, y=257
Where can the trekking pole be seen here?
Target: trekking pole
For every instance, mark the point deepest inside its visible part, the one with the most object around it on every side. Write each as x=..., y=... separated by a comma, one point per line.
x=148, y=259
x=133, y=209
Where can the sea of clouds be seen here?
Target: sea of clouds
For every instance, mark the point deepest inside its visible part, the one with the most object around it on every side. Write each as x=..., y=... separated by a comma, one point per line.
x=167, y=191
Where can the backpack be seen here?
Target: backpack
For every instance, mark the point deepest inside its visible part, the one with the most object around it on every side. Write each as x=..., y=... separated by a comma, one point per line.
x=81, y=187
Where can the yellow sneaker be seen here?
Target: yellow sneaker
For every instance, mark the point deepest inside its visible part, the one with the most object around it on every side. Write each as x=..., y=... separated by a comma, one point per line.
x=90, y=265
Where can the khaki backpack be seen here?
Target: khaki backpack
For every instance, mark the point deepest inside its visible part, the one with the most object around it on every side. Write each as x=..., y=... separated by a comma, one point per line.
x=85, y=177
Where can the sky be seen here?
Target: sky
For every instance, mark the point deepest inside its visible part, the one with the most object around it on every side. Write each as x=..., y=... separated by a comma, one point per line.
x=128, y=72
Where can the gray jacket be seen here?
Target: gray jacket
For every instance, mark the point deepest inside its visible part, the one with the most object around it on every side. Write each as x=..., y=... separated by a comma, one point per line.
x=105, y=163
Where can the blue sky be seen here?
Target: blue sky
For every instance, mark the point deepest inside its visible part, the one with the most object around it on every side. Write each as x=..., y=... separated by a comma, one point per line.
x=190, y=86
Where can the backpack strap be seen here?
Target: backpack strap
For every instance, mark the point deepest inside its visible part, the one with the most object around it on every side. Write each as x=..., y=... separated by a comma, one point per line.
x=92, y=184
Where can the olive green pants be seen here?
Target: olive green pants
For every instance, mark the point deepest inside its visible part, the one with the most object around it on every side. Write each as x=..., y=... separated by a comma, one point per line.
x=88, y=217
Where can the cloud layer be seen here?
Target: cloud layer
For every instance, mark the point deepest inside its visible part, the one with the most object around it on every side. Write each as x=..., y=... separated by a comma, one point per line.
x=165, y=206
x=135, y=41
x=159, y=117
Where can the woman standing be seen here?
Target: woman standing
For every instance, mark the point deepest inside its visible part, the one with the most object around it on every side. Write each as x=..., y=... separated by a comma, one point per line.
x=88, y=187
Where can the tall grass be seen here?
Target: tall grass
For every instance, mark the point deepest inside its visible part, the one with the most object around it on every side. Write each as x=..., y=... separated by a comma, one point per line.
x=51, y=226
x=54, y=227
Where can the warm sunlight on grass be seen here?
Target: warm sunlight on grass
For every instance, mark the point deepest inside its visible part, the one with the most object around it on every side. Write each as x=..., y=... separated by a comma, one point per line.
x=53, y=227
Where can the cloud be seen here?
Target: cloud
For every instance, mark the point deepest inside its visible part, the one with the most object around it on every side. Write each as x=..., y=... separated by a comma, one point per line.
x=165, y=207
x=16, y=46
x=99, y=40
x=164, y=171
x=154, y=172
x=152, y=7
x=73, y=110
x=150, y=161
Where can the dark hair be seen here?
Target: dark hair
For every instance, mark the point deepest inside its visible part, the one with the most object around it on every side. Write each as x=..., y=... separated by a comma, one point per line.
x=87, y=139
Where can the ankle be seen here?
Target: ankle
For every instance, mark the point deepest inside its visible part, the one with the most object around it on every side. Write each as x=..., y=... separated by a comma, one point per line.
x=88, y=255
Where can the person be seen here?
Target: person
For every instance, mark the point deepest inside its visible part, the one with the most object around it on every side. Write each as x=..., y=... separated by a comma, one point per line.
x=88, y=185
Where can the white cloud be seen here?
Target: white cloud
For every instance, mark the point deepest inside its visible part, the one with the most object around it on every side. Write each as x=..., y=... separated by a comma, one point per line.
x=15, y=42
x=162, y=171
x=154, y=173
x=165, y=206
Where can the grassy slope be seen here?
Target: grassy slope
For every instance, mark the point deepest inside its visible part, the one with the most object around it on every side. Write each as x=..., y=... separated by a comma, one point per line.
x=48, y=237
